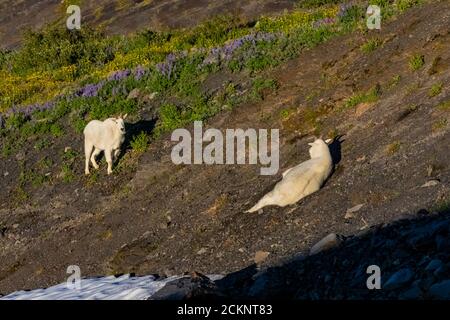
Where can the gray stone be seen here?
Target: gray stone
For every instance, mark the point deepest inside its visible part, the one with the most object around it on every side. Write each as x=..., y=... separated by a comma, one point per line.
x=399, y=279
x=440, y=290
x=330, y=241
x=134, y=94
x=351, y=212
x=149, y=97
x=431, y=183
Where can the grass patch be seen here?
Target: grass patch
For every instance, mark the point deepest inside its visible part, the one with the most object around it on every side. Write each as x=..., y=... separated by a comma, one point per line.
x=440, y=125
x=371, y=45
x=395, y=80
x=370, y=96
x=259, y=85
x=444, y=106
x=416, y=62
x=67, y=168
x=441, y=206
x=403, y=5
x=435, y=90
x=393, y=148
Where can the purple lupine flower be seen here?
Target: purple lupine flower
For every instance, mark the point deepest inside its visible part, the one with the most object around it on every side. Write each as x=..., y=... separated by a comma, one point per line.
x=139, y=72
x=47, y=106
x=343, y=9
x=2, y=121
x=323, y=22
x=119, y=75
x=27, y=111
x=225, y=53
x=167, y=67
x=90, y=90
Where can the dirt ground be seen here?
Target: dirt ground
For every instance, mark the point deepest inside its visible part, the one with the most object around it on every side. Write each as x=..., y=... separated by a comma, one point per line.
x=167, y=219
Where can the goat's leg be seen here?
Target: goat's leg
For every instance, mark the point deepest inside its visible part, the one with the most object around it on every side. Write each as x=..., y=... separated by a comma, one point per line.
x=87, y=152
x=108, y=156
x=93, y=156
x=116, y=155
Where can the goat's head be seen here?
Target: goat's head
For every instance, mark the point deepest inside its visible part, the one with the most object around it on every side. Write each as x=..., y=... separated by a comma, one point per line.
x=120, y=123
x=318, y=147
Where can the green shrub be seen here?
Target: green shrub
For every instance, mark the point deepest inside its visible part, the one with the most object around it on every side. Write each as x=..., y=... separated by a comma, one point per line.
x=259, y=85
x=170, y=117
x=56, y=130
x=140, y=143
x=416, y=62
x=365, y=97
x=403, y=5
x=371, y=45
x=395, y=81
x=435, y=90
x=315, y=3
x=54, y=47
x=15, y=121
x=444, y=106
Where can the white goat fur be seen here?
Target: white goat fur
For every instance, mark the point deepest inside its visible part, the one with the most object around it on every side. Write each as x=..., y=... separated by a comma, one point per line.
x=106, y=136
x=301, y=180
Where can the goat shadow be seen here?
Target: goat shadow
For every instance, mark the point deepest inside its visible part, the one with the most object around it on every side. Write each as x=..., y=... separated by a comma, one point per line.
x=133, y=129
x=335, y=149
x=336, y=155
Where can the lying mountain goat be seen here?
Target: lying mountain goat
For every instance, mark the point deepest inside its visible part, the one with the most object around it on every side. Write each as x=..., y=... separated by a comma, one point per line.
x=301, y=180
x=106, y=136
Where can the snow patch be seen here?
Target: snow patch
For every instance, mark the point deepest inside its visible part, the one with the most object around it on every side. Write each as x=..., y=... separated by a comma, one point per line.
x=102, y=288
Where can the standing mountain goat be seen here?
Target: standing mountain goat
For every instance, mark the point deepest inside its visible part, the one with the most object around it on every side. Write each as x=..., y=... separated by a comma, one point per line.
x=106, y=136
x=301, y=180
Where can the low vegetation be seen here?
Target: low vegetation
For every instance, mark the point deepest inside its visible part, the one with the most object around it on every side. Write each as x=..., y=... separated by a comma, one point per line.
x=61, y=79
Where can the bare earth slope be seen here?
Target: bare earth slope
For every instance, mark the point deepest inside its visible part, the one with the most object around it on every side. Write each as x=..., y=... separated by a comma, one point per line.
x=126, y=16
x=171, y=219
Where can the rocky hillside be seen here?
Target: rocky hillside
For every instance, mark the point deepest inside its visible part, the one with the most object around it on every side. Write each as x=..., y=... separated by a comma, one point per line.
x=411, y=254
x=382, y=95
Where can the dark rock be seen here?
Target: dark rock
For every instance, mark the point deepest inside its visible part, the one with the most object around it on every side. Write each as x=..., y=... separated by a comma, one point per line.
x=433, y=265
x=440, y=290
x=442, y=242
x=259, y=287
x=413, y=293
x=197, y=286
x=423, y=212
x=399, y=279
x=426, y=283
x=440, y=272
